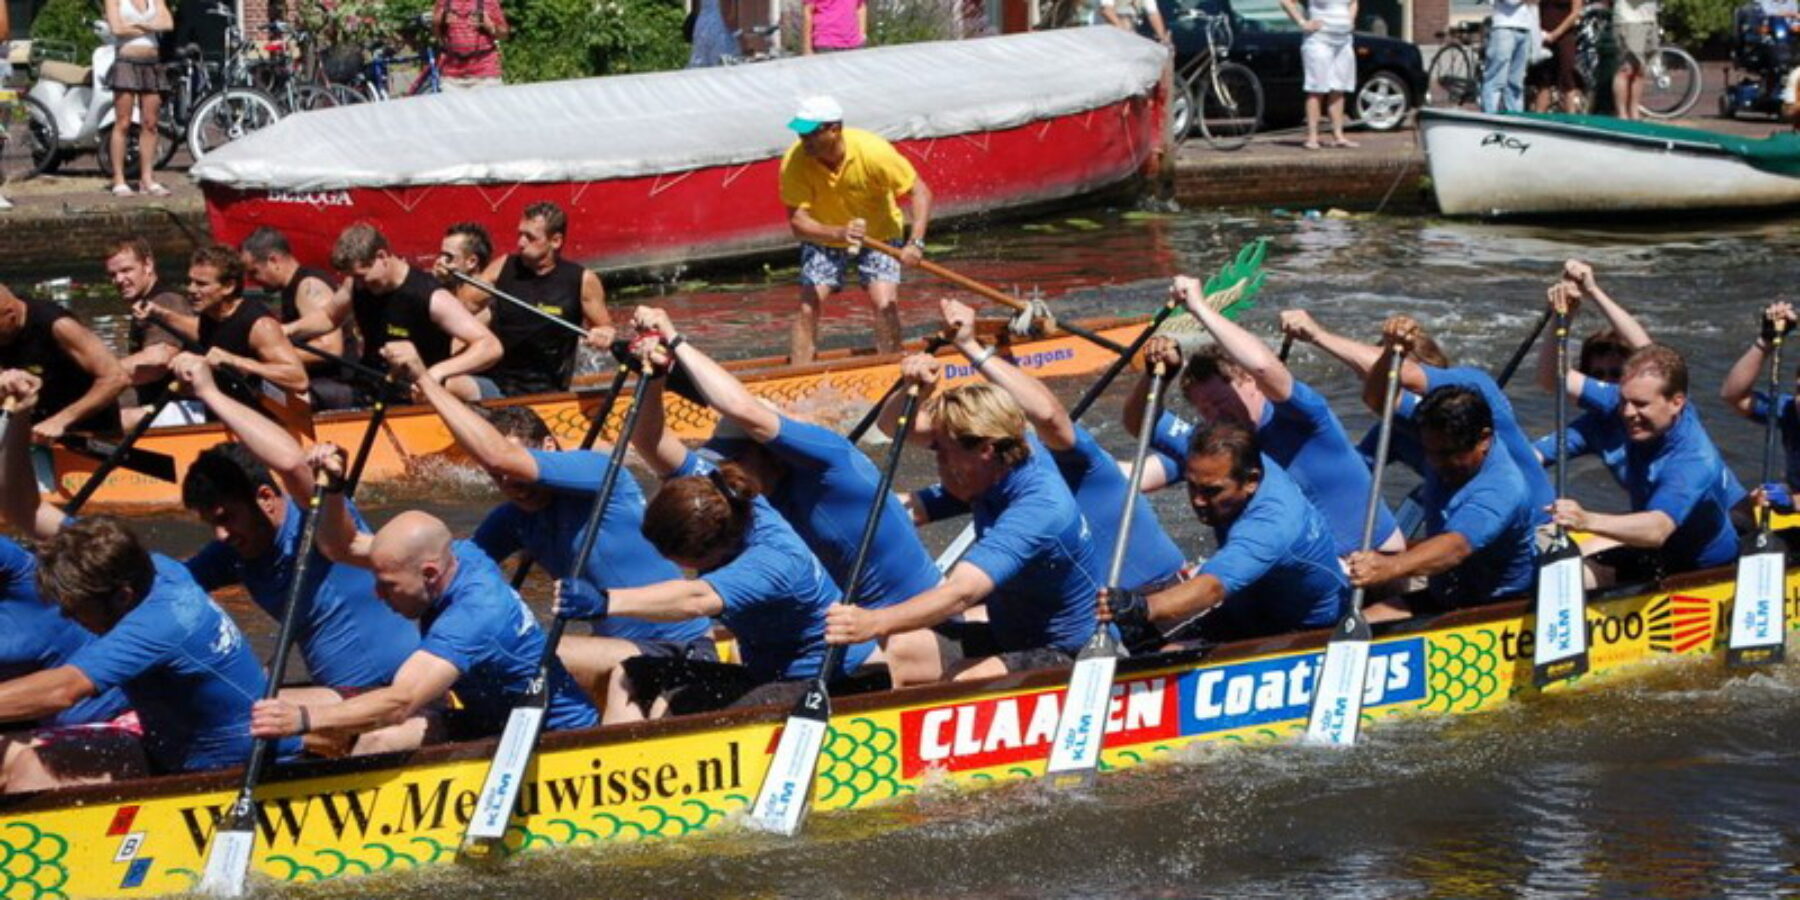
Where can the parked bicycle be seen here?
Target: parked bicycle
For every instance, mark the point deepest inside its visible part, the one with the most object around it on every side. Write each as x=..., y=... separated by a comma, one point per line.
x=287, y=71
x=28, y=142
x=1673, y=77
x=377, y=81
x=1224, y=98
x=222, y=112
x=756, y=43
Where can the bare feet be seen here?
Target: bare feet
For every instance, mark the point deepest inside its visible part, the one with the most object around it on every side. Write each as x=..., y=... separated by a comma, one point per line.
x=1344, y=142
x=1311, y=144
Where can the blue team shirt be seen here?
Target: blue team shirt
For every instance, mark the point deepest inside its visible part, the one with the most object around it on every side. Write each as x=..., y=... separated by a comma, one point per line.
x=1787, y=418
x=1403, y=445
x=348, y=636
x=1507, y=433
x=1099, y=486
x=1303, y=436
x=775, y=593
x=35, y=635
x=187, y=670
x=1278, y=561
x=1492, y=512
x=1032, y=541
x=1681, y=475
x=480, y=626
x=826, y=495
x=622, y=557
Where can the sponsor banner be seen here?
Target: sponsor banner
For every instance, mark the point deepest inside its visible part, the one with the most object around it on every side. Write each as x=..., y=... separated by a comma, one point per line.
x=314, y=199
x=1000, y=730
x=1243, y=695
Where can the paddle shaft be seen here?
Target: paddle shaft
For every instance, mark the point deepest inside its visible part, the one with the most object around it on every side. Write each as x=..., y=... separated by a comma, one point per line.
x=1152, y=409
x=1512, y=365
x=1383, y=441
x=1287, y=346
x=834, y=653
x=366, y=372
x=118, y=455
x=491, y=290
x=587, y=443
x=377, y=415
x=996, y=295
x=1771, y=434
x=1562, y=406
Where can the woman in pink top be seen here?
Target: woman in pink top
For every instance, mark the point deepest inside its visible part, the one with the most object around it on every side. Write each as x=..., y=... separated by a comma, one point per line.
x=830, y=25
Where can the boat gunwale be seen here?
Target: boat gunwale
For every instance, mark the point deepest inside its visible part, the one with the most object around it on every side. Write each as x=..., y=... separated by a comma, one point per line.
x=222, y=780
x=1571, y=129
x=750, y=371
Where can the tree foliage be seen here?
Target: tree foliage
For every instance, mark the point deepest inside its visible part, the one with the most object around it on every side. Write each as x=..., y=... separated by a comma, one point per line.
x=66, y=27
x=555, y=39
x=1695, y=22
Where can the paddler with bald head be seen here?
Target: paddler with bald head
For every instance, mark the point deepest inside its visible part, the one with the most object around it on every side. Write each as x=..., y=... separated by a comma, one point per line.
x=478, y=638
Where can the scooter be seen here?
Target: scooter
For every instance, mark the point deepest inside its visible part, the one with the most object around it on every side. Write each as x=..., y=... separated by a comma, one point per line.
x=81, y=106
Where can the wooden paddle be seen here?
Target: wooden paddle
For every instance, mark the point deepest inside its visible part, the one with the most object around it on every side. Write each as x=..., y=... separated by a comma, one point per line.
x=782, y=801
x=234, y=837
x=587, y=443
x=121, y=451
x=1081, y=728
x=998, y=296
x=1758, y=611
x=1336, y=714
x=486, y=831
x=1559, y=650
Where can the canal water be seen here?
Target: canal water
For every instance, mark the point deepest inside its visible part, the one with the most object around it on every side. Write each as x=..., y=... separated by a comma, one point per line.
x=1680, y=784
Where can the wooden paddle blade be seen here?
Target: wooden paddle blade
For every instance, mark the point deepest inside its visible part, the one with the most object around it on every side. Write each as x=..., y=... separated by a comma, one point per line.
x=1075, y=751
x=160, y=466
x=1337, y=701
x=228, y=861
x=1559, y=651
x=494, y=806
x=1758, y=609
x=781, y=803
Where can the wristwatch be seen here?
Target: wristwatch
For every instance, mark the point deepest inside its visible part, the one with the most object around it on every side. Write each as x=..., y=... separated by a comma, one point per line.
x=917, y=242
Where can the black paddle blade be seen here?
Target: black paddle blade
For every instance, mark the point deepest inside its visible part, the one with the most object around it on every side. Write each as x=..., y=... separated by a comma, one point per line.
x=1560, y=650
x=160, y=466
x=1759, y=602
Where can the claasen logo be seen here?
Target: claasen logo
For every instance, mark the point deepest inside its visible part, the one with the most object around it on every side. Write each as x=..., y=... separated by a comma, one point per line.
x=1004, y=730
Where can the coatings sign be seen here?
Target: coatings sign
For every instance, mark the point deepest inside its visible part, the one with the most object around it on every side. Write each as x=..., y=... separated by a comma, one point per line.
x=1265, y=691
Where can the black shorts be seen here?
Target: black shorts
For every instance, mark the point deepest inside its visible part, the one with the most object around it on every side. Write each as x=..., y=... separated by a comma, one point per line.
x=703, y=649
x=688, y=685
x=958, y=641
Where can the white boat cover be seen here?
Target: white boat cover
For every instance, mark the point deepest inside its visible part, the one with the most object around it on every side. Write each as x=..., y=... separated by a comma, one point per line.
x=595, y=129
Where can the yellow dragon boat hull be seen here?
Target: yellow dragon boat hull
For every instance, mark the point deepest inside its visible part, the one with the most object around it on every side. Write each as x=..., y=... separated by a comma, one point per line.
x=839, y=386
x=658, y=780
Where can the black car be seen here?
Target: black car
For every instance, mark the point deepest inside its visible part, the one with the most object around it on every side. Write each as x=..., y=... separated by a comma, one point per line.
x=1390, y=73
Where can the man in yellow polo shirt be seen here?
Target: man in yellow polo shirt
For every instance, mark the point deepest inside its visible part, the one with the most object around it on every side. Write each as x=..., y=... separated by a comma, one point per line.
x=842, y=187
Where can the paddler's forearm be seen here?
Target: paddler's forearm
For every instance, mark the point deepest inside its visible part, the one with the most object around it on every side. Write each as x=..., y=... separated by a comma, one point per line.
x=19, y=499
x=1133, y=414
x=807, y=228
x=668, y=601
x=1645, y=530
x=1184, y=601
x=1630, y=330
x=366, y=712
x=965, y=587
x=181, y=325
x=726, y=394
x=481, y=440
x=1360, y=357
x=43, y=693
x=263, y=437
x=1246, y=349
x=1433, y=556
x=1041, y=407
x=1740, y=382
x=921, y=211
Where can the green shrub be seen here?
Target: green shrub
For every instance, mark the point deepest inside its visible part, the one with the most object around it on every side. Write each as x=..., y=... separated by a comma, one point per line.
x=63, y=24
x=554, y=39
x=911, y=21
x=1694, y=22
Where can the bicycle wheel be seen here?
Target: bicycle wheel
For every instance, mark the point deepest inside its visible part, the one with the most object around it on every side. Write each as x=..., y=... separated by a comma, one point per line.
x=1672, y=83
x=1452, y=79
x=1230, y=105
x=311, y=96
x=29, y=143
x=1181, y=110
x=346, y=95
x=226, y=116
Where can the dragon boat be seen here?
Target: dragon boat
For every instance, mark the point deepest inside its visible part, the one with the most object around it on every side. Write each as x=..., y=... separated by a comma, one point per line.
x=662, y=780
x=840, y=385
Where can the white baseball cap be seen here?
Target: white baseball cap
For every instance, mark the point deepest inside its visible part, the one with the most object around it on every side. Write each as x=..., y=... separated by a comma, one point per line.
x=814, y=112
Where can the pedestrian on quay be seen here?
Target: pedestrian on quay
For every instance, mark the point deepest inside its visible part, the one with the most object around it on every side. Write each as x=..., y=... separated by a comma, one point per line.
x=1508, y=53
x=137, y=81
x=1560, y=19
x=827, y=26
x=1635, y=33
x=1328, y=55
x=470, y=32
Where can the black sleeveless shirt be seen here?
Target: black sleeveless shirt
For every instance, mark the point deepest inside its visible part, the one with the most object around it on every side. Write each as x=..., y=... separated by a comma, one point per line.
x=290, y=310
x=539, y=355
x=36, y=350
x=232, y=334
x=404, y=315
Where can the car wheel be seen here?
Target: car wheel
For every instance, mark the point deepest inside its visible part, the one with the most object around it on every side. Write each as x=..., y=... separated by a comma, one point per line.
x=1383, y=101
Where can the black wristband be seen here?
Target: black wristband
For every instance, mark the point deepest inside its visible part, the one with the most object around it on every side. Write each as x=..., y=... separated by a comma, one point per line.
x=674, y=342
x=305, y=720
x=1132, y=615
